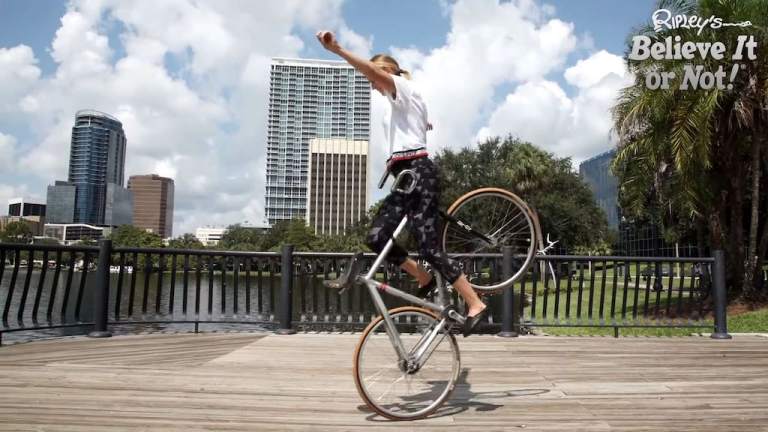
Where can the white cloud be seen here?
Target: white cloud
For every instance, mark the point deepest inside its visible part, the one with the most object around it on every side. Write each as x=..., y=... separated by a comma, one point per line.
x=18, y=74
x=542, y=113
x=8, y=191
x=490, y=44
x=79, y=48
x=7, y=153
x=356, y=43
x=588, y=72
x=408, y=58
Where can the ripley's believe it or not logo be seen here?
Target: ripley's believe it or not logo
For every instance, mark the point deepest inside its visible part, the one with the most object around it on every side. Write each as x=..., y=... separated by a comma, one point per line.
x=675, y=48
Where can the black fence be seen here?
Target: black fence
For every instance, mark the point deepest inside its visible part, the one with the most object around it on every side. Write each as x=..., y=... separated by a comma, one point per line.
x=52, y=287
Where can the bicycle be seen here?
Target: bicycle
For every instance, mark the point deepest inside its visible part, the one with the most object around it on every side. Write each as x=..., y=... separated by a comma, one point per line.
x=407, y=361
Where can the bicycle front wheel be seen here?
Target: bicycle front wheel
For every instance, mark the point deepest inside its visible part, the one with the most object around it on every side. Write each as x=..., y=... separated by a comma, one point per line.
x=483, y=222
x=385, y=382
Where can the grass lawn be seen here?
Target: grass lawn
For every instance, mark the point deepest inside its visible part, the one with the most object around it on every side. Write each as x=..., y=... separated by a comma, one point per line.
x=746, y=322
x=749, y=322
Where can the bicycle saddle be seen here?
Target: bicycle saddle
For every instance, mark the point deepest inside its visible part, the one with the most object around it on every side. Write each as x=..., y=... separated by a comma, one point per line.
x=349, y=277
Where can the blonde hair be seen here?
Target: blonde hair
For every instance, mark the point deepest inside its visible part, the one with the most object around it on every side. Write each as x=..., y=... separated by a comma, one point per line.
x=385, y=60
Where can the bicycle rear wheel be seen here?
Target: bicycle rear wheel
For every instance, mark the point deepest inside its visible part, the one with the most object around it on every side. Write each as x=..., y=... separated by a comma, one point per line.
x=483, y=222
x=384, y=382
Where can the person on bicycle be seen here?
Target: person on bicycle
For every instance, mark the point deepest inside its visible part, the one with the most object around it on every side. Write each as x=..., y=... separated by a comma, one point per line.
x=405, y=128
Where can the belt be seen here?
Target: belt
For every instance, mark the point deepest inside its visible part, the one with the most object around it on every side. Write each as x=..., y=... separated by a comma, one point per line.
x=401, y=156
x=406, y=155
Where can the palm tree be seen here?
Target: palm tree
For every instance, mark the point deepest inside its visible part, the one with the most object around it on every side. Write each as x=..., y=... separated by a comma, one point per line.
x=699, y=152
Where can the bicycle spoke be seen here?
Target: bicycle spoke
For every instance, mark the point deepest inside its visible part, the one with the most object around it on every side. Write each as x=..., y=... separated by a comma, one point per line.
x=389, y=389
x=376, y=376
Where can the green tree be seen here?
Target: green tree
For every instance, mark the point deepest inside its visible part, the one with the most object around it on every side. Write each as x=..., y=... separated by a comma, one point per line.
x=299, y=235
x=566, y=207
x=697, y=157
x=275, y=235
x=131, y=236
x=186, y=241
x=240, y=238
x=16, y=232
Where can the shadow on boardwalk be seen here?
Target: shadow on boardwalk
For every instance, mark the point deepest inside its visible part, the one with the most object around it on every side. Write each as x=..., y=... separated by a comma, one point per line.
x=463, y=399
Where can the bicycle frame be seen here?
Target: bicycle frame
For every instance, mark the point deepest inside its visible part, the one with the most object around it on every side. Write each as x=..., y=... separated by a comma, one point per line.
x=422, y=348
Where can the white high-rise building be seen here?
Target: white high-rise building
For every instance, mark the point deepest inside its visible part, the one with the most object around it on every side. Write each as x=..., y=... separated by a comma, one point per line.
x=308, y=99
x=337, y=185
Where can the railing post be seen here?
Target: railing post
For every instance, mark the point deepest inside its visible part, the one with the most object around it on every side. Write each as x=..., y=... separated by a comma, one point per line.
x=508, y=313
x=101, y=291
x=719, y=295
x=285, y=308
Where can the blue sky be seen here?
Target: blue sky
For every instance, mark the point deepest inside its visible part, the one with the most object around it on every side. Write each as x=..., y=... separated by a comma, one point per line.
x=193, y=97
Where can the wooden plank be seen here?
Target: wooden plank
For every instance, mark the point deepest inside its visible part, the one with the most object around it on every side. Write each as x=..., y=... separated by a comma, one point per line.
x=242, y=381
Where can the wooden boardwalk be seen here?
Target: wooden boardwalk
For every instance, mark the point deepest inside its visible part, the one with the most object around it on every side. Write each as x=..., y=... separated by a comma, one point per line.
x=252, y=382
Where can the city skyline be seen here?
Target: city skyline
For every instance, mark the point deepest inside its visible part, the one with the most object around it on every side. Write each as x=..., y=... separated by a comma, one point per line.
x=194, y=104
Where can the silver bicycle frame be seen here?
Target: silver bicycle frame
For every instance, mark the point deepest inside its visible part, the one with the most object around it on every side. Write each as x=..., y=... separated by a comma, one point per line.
x=422, y=348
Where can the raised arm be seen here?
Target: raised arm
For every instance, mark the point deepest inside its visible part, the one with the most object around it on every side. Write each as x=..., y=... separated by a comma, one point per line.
x=378, y=76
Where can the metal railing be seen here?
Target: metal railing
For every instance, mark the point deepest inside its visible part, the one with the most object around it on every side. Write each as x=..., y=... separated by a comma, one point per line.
x=49, y=287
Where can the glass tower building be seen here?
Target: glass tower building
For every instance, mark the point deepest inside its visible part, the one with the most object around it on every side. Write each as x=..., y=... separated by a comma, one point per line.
x=97, y=157
x=597, y=173
x=308, y=99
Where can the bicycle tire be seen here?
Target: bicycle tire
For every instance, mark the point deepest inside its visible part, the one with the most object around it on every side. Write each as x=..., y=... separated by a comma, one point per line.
x=384, y=345
x=530, y=234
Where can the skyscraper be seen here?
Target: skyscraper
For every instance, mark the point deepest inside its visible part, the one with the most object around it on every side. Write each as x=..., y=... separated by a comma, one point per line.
x=94, y=193
x=338, y=186
x=97, y=157
x=61, y=202
x=153, y=203
x=308, y=99
x=597, y=173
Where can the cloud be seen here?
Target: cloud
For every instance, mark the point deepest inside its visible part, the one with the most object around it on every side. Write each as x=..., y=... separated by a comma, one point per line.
x=8, y=192
x=7, y=153
x=18, y=74
x=541, y=112
x=490, y=44
x=356, y=43
x=588, y=72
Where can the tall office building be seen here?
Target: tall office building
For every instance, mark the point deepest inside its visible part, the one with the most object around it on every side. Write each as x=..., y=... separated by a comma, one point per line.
x=96, y=174
x=60, y=202
x=308, y=99
x=153, y=203
x=597, y=173
x=337, y=184
x=97, y=157
x=636, y=237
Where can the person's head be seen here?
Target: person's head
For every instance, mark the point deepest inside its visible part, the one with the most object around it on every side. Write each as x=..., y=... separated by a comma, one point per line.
x=389, y=65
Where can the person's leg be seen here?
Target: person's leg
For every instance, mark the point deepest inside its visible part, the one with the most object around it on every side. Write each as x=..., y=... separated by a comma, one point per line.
x=424, y=213
x=384, y=224
x=474, y=304
x=414, y=269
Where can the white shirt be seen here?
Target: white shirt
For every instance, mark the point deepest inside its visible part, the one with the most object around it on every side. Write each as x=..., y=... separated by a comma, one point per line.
x=405, y=125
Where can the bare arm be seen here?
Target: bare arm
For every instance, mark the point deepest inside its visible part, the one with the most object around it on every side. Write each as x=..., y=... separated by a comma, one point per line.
x=375, y=74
